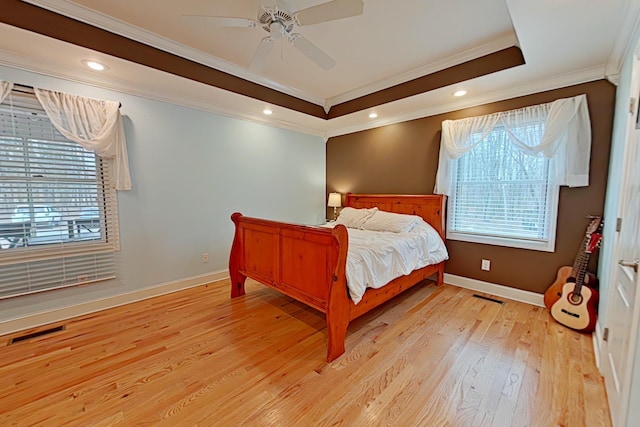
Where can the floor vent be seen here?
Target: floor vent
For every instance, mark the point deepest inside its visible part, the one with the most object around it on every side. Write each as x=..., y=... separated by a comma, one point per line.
x=488, y=299
x=36, y=334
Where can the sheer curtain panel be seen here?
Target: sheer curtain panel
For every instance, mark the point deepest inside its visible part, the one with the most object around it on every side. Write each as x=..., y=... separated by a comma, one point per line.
x=94, y=124
x=5, y=89
x=560, y=130
x=502, y=172
x=58, y=203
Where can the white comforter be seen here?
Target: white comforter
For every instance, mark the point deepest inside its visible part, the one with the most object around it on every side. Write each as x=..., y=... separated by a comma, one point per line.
x=377, y=257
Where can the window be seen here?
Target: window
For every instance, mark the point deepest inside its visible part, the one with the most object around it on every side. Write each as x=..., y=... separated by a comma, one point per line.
x=503, y=196
x=502, y=171
x=58, y=213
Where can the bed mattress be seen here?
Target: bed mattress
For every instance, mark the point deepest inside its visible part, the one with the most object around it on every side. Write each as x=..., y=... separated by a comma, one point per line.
x=375, y=258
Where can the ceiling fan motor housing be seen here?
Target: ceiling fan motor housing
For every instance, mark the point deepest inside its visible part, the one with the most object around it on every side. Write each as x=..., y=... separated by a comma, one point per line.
x=269, y=16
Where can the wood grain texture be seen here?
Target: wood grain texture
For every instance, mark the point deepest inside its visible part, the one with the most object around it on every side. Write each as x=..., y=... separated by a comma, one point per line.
x=308, y=263
x=433, y=356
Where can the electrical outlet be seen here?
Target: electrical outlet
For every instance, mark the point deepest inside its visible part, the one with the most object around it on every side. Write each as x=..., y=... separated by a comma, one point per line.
x=205, y=257
x=486, y=265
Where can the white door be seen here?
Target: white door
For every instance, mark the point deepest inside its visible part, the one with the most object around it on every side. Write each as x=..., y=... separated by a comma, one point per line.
x=624, y=299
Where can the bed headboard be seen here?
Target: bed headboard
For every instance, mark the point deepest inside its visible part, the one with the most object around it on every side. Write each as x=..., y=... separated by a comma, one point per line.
x=429, y=207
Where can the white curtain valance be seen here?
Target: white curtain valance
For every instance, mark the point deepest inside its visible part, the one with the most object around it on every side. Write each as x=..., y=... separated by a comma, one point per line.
x=559, y=130
x=94, y=124
x=5, y=89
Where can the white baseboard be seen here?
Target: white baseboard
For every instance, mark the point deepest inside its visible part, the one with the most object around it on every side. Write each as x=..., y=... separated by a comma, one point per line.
x=494, y=289
x=65, y=313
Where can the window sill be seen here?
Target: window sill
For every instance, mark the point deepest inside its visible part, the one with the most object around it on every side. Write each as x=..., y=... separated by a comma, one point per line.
x=535, y=245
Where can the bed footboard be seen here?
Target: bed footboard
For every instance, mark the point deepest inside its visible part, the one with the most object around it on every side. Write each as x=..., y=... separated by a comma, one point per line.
x=306, y=263
x=309, y=263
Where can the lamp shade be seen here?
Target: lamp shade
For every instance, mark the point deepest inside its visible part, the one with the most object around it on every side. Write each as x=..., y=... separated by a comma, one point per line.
x=335, y=200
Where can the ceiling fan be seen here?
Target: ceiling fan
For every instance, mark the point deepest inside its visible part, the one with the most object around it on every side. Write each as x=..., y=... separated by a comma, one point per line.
x=279, y=22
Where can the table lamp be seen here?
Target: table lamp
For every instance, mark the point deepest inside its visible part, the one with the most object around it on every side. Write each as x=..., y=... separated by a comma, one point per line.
x=335, y=201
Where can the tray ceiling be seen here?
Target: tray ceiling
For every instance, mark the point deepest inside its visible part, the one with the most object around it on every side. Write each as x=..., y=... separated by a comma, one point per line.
x=395, y=58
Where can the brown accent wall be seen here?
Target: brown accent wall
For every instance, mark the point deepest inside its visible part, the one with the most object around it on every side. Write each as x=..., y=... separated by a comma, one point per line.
x=403, y=158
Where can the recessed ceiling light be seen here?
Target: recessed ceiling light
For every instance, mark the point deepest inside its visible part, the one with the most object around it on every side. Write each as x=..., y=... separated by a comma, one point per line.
x=267, y=111
x=460, y=92
x=373, y=115
x=95, y=65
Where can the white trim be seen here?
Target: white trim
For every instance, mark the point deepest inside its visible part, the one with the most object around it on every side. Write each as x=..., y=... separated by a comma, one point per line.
x=323, y=128
x=614, y=79
x=624, y=43
x=514, y=294
x=23, y=62
x=65, y=313
x=512, y=91
x=597, y=344
x=450, y=61
x=68, y=73
x=484, y=239
x=543, y=245
x=116, y=26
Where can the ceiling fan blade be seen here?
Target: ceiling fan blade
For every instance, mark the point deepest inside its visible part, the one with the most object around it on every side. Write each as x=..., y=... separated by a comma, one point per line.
x=336, y=9
x=260, y=56
x=283, y=5
x=312, y=51
x=221, y=21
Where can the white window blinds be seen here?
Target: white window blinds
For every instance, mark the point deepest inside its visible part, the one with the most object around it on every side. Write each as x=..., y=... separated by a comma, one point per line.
x=502, y=171
x=500, y=192
x=58, y=211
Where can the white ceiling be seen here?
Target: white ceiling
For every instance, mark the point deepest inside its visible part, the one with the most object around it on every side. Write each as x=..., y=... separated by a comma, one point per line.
x=564, y=42
x=385, y=41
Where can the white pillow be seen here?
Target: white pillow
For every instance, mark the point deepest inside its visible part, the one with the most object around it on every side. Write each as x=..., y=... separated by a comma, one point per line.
x=389, y=221
x=354, y=218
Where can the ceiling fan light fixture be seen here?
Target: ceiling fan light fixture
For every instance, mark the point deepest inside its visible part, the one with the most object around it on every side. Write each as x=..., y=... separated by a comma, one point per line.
x=276, y=30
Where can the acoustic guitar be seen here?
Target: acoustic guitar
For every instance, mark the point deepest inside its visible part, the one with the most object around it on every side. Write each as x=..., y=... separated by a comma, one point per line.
x=566, y=273
x=577, y=307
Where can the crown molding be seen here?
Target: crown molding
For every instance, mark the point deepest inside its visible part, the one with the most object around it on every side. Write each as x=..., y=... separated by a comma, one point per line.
x=512, y=91
x=243, y=111
x=626, y=42
x=614, y=78
x=444, y=63
x=121, y=28
x=76, y=75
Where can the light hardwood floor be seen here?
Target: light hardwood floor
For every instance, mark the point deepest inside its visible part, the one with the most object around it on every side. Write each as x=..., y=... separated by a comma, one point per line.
x=430, y=357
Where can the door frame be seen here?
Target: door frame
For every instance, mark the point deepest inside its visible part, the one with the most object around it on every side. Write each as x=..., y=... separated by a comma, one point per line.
x=625, y=379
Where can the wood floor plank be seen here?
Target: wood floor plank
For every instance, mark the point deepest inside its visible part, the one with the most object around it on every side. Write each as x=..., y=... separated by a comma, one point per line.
x=433, y=356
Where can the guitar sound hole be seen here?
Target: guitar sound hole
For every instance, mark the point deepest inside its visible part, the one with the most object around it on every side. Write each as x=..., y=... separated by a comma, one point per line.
x=575, y=299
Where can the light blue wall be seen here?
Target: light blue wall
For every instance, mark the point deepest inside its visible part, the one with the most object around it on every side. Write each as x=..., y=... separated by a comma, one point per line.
x=191, y=170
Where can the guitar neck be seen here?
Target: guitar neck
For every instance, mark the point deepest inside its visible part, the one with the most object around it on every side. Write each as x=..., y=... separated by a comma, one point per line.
x=582, y=271
x=579, y=260
x=594, y=241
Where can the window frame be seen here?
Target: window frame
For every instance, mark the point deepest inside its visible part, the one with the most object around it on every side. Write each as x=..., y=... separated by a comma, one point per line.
x=548, y=245
x=85, y=258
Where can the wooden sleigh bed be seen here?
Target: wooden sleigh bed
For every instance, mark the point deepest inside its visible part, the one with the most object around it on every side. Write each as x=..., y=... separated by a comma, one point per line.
x=307, y=263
